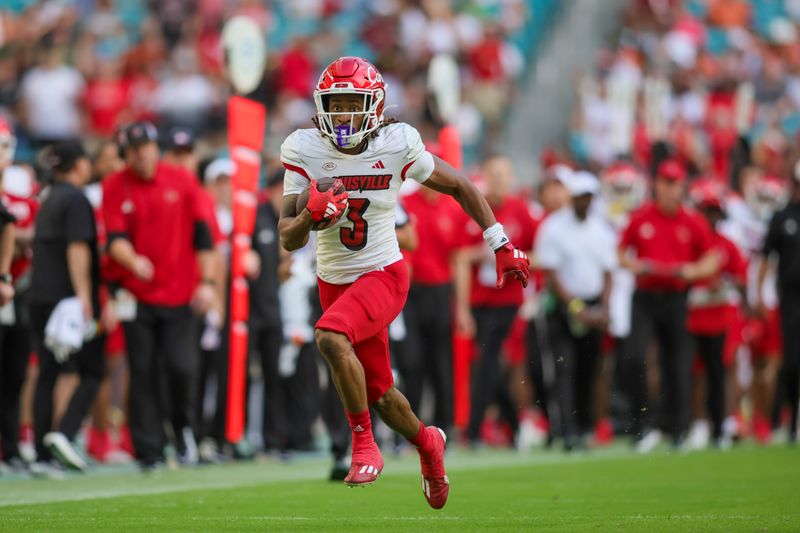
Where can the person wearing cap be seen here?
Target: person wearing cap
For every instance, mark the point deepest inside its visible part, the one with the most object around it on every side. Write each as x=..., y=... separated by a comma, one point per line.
x=713, y=304
x=18, y=198
x=158, y=234
x=783, y=242
x=216, y=195
x=551, y=195
x=428, y=312
x=482, y=310
x=12, y=366
x=179, y=149
x=65, y=265
x=667, y=247
x=575, y=249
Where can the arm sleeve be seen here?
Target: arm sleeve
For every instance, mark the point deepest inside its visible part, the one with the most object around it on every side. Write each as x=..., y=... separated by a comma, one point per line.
x=203, y=213
x=80, y=220
x=418, y=162
x=292, y=157
x=294, y=183
x=114, y=218
x=202, y=236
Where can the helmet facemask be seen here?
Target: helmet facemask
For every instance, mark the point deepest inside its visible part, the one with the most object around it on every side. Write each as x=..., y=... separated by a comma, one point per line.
x=347, y=135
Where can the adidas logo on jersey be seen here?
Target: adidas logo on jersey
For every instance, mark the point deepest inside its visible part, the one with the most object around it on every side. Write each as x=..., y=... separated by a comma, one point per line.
x=358, y=429
x=379, y=164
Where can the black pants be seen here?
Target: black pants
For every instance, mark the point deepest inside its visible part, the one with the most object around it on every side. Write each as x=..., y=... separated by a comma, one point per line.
x=301, y=396
x=710, y=348
x=213, y=363
x=162, y=347
x=487, y=380
x=660, y=315
x=575, y=368
x=15, y=348
x=428, y=357
x=789, y=378
x=89, y=363
x=333, y=413
x=266, y=341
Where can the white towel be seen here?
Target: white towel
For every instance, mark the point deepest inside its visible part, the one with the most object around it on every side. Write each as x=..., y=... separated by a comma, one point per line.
x=65, y=329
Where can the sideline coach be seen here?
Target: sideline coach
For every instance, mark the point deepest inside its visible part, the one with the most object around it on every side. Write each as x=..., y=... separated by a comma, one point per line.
x=783, y=240
x=158, y=234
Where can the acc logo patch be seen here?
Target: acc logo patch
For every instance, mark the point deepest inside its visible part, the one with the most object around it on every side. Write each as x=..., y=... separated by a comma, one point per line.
x=790, y=226
x=330, y=165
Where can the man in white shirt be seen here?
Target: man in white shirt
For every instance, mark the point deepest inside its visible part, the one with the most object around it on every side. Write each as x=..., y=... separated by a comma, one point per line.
x=576, y=251
x=50, y=95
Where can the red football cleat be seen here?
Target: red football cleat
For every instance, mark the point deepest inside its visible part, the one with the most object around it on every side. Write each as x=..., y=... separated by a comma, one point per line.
x=435, y=485
x=365, y=467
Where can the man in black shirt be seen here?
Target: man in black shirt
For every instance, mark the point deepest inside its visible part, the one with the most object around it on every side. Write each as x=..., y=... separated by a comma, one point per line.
x=266, y=326
x=65, y=265
x=783, y=240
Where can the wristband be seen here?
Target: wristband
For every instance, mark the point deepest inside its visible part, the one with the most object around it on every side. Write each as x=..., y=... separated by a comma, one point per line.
x=208, y=281
x=6, y=278
x=495, y=236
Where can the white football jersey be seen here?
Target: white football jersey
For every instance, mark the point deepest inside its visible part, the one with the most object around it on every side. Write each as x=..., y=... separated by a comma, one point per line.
x=363, y=239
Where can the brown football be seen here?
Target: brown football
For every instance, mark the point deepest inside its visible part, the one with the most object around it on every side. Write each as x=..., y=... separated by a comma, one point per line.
x=323, y=184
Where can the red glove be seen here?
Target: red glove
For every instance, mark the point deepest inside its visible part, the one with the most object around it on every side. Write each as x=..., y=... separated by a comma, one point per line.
x=510, y=260
x=326, y=206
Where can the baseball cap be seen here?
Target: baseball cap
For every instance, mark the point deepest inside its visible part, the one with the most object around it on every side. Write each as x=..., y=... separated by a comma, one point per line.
x=138, y=133
x=61, y=157
x=583, y=182
x=180, y=139
x=217, y=168
x=671, y=170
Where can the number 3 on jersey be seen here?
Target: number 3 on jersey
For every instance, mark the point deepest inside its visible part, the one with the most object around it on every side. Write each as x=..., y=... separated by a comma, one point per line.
x=355, y=238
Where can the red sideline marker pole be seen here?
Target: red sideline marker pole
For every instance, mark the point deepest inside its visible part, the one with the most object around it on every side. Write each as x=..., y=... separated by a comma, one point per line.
x=246, y=122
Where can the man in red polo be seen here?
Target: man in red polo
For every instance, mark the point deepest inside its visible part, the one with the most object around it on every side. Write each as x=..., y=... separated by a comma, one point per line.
x=714, y=303
x=666, y=246
x=158, y=235
x=428, y=311
x=484, y=310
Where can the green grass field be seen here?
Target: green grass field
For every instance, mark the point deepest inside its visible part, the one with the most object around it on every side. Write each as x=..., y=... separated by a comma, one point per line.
x=746, y=489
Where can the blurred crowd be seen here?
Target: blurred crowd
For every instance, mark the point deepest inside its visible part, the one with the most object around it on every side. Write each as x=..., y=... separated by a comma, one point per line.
x=71, y=69
x=660, y=233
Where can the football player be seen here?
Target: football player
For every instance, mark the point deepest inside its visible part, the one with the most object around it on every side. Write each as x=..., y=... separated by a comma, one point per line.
x=363, y=280
x=762, y=196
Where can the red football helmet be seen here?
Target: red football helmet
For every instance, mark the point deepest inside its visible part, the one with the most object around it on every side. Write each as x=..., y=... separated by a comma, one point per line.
x=768, y=195
x=708, y=193
x=624, y=187
x=8, y=143
x=350, y=75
